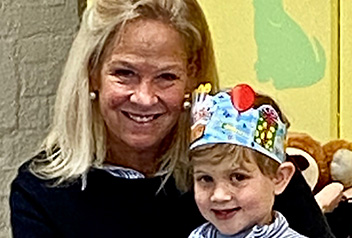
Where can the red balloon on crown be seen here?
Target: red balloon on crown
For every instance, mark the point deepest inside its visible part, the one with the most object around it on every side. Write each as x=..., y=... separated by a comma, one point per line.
x=242, y=97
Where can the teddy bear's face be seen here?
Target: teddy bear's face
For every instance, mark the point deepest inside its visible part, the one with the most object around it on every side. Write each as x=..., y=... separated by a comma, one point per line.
x=341, y=167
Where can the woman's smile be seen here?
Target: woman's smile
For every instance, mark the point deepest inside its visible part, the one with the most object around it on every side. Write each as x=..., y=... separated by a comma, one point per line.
x=141, y=118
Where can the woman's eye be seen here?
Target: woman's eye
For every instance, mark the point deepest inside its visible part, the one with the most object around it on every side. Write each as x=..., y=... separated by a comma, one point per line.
x=169, y=76
x=124, y=73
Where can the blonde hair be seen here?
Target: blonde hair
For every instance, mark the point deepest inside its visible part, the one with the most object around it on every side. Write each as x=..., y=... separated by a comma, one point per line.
x=77, y=139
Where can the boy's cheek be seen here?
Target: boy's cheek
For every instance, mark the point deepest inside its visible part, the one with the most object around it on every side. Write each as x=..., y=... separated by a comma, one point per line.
x=203, y=204
x=201, y=196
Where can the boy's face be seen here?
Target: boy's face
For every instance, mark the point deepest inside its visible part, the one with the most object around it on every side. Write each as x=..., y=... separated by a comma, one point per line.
x=233, y=196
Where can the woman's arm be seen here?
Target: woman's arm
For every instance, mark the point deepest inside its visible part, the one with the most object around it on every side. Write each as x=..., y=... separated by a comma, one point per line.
x=27, y=215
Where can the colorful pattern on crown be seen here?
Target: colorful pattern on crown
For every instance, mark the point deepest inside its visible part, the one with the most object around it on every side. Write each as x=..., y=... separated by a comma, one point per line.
x=224, y=118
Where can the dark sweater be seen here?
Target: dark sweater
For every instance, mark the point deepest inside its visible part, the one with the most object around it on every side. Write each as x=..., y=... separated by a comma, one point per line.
x=107, y=207
x=302, y=212
x=117, y=207
x=340, y=220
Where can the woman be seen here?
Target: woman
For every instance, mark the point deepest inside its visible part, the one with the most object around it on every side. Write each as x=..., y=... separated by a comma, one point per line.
x=115, y=161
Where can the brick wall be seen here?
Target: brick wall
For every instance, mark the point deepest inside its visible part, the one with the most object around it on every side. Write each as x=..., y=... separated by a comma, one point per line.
x=35, y=36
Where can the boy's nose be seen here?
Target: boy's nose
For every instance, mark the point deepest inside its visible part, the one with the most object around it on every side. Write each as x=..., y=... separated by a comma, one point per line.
x=221, y=194
x=144, y=94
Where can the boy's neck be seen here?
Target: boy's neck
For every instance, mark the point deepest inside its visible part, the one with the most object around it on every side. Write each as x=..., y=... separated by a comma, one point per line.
x=242, y=234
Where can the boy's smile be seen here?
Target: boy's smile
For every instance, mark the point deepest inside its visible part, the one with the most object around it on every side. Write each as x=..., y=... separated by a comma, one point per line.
x=224, y=214
x=234, y=196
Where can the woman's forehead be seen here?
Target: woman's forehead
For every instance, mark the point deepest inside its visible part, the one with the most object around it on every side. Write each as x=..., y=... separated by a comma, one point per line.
x=146, y=33
x=146, y=37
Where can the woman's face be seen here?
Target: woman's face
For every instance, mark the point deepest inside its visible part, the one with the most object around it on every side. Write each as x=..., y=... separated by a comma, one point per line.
x=142, y=84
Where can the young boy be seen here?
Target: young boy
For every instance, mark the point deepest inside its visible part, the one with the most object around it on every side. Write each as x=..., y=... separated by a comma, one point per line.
x=238, y=160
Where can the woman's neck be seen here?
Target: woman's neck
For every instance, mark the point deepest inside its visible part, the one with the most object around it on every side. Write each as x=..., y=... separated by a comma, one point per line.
x=144, y=161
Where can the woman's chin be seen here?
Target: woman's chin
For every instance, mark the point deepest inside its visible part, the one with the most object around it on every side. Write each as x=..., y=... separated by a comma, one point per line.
x=143, y=143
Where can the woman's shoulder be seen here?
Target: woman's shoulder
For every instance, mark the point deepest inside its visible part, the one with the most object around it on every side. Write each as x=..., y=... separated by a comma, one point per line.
x=27, y=180
x=23, y=173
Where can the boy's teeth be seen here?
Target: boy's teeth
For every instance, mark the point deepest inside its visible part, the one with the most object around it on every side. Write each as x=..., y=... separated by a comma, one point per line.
x=141, y=118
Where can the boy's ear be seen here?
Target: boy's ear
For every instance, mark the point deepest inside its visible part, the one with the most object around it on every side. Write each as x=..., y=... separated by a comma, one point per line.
x=283, y=176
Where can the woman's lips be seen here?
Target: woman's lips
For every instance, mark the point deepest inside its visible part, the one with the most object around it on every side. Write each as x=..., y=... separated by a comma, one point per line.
x=225, y=214
x=139, y=118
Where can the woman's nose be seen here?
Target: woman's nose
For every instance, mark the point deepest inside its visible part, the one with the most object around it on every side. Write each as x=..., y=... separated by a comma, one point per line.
x=144, y=94
x=221, y=193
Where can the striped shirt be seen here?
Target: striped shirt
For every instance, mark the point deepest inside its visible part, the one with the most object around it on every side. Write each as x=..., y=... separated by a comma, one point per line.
x=278, y=229
x=120, y=172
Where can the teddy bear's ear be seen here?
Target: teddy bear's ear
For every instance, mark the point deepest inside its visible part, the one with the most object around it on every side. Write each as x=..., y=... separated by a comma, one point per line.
x=339, y=155
x=306, y=163
x=299, y=161
x=332, y=146
x=341, y=167
x=313, y=147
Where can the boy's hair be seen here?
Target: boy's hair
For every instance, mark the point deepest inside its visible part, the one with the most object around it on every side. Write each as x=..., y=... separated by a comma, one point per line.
x=261, y=99
x=216, y=153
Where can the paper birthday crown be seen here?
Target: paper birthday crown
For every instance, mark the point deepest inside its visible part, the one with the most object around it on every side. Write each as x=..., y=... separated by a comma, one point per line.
x=229, y=117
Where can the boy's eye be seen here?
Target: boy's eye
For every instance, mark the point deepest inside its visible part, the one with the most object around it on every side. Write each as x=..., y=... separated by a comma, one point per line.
x=205, y=179
x=237, y=177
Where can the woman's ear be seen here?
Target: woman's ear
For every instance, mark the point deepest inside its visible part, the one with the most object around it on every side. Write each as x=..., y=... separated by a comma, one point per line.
x=283, y=176
x=192, y=82
x=94, y=80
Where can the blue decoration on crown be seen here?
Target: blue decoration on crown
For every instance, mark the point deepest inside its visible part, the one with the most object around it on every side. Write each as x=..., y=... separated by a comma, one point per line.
x=215, y=120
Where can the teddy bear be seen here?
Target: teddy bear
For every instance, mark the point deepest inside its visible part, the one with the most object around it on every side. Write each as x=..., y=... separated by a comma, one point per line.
x=339, y=155
x=320, y=164
x=328, y=171
x=309, y=157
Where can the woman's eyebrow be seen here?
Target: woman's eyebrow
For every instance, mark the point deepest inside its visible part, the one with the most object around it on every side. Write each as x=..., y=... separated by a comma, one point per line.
x=163, y=67
x=123, y=63
x=171, y=66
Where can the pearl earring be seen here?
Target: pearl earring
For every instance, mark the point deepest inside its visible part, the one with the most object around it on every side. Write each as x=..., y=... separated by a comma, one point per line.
x=187, y=104
x=92, y=96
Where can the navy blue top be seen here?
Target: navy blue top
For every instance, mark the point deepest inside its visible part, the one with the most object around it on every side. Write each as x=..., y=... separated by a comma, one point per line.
x=107, y=207
x=117, y=207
